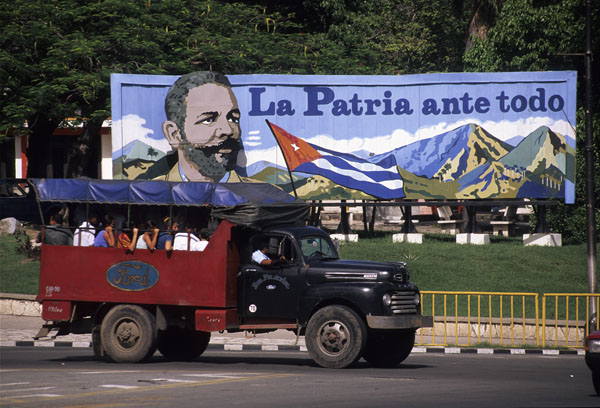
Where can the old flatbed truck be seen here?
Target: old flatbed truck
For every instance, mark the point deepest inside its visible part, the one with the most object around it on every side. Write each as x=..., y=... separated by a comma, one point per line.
x=133, y=303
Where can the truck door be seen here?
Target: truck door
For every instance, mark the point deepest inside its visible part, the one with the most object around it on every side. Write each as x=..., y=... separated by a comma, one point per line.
x=272, y=292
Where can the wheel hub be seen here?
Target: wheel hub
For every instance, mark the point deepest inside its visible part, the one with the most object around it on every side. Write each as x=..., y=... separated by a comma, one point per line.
x=333, y=338
x=128, y=334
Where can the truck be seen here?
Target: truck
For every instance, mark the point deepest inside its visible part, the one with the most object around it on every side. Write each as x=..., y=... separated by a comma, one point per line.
x=135, y=302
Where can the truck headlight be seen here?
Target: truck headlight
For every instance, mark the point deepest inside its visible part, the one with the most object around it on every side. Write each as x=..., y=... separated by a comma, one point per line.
x=417, y=298
x=387, y=299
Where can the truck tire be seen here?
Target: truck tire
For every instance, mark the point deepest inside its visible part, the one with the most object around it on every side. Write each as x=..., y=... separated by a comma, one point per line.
x=128, y=334
x=335, y=337
x=178, y=344
x=97, y=342
x=389, y=348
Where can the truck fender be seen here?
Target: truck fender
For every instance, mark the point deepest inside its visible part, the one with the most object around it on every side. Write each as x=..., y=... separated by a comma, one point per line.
x=348, y=294
x=103, y=309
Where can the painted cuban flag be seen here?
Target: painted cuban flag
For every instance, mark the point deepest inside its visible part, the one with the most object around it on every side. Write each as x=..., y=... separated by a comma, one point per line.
x=380, y=179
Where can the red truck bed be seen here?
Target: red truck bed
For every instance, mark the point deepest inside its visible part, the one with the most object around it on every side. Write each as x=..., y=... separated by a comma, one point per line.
x=205, y=279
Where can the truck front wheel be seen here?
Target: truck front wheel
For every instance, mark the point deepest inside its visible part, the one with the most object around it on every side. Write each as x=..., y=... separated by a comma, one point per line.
x=389, y=348
x=335, y=337
x=179, y=344
x=128, y=334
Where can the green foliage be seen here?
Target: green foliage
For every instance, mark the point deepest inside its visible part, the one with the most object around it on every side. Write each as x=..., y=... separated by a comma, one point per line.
x=506, y=265
x=18, y=273
x=25, y=247
x=528, y=36
x=532, y=36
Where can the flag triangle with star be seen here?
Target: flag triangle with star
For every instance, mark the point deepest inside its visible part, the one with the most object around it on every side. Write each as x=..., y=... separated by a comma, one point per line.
x=295, y=150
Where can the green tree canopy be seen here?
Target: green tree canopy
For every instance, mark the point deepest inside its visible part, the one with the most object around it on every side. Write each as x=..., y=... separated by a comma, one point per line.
x=540, y=36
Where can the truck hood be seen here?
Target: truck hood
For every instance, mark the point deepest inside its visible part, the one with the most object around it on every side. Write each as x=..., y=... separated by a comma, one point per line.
x=349, y=270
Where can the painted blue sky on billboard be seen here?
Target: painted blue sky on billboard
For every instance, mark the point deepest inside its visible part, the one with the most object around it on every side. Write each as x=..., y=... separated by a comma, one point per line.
x=467, y=135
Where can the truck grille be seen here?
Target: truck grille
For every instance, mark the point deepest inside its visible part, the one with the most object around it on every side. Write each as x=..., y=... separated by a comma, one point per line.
x=403, y=302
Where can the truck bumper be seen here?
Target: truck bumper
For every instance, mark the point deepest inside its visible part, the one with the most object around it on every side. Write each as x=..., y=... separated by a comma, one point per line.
x=399, y=322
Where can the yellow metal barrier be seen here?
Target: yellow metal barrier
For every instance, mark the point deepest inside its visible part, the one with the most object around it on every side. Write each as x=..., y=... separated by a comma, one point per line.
x=470, y=318
x=565, y=317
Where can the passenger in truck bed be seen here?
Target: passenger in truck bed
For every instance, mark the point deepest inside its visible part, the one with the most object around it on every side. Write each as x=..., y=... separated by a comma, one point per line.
x=187, y=241
x=106, y=237
x=86, y=233
x=148, y=239
x=56, y=234
x=204, y=237
x=165, y=236
x=128, y=238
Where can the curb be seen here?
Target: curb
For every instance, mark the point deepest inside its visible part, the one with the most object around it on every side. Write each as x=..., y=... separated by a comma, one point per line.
x=19, y=305
x=292, y=348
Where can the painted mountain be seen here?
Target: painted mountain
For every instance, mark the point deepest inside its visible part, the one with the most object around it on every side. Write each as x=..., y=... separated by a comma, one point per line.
x=449, y=155
x=468, y=162
x=537, y=167
x=135, y=159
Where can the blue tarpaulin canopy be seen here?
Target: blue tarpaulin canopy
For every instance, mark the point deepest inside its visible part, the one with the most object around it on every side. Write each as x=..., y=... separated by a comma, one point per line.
x=252, y=204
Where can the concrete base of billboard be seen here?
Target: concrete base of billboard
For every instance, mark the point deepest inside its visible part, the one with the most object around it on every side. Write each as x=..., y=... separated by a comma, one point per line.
x=473, y=239
x=345, y=237
x=412, y=238
x=542, y=239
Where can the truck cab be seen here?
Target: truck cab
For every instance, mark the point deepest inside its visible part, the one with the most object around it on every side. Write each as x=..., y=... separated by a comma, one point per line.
x=134, y=302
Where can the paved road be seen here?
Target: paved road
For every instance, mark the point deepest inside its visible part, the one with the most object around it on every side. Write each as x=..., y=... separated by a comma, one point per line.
x=62, y=377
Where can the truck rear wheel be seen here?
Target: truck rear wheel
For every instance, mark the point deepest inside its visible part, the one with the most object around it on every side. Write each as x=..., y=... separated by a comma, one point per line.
x=128, y=334
x=97, y=342
x=179, y=344
x=389, y=348
x=335, y=337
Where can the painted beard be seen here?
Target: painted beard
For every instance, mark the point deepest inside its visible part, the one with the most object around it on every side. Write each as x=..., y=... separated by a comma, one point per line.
x=214, y=161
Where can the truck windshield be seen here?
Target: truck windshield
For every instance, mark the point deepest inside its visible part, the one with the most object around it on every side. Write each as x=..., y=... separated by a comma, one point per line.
x=315, y=247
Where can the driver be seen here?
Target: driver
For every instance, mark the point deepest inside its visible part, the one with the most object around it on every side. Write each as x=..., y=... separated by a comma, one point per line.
x=260, y=255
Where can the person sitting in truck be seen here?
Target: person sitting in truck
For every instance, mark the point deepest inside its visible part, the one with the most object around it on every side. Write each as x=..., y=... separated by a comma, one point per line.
x=260, y=255
x=165, y=236
x=204, y=237
x=106, y=237
x=187, y=241
x=55, y=233
x=148, y=239
x=85, y=234
x=128, y=238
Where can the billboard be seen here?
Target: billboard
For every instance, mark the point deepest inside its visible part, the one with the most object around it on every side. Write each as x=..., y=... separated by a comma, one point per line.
x=430, y=136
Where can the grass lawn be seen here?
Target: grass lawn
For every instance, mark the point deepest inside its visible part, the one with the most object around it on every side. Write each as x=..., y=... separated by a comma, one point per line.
x=505, y=265
x=17, y=273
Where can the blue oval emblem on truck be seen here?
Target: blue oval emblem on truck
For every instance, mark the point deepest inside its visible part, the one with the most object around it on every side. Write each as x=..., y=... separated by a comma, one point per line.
x=132, y=275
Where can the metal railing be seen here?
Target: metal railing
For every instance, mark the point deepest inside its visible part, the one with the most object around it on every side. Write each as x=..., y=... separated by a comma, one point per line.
x=507, y=319
x=470, y=318
x=566, y=317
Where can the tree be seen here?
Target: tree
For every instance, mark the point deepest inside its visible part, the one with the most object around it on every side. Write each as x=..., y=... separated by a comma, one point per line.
x=483, y=13
x=56, y=60
x=528, y=36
